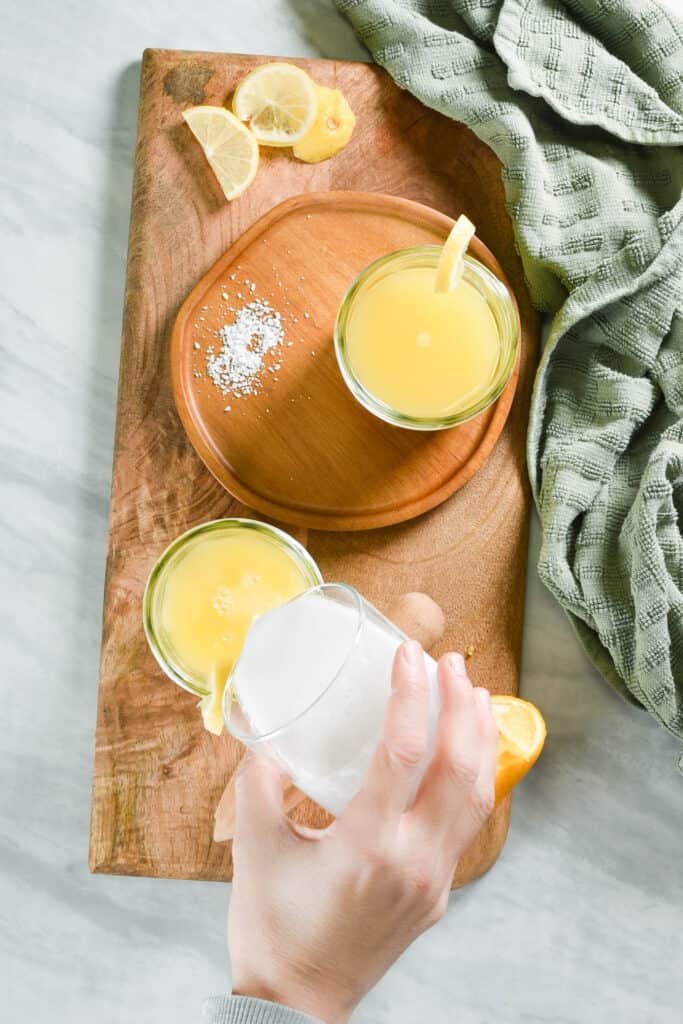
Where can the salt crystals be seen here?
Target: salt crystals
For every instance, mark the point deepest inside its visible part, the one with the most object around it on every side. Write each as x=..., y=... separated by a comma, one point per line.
x=236, y=368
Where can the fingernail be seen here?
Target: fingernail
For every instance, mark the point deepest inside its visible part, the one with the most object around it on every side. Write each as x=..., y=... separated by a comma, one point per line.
x=456, y=663
x=412, y=652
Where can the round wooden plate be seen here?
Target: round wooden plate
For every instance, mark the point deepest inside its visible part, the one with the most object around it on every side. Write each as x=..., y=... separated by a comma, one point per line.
x=303, y=450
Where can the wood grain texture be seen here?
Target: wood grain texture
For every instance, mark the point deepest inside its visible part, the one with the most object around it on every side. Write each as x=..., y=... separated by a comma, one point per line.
x=158, y=775
x=303, y=450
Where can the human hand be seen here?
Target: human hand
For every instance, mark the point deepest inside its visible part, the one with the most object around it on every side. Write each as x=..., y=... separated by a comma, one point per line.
x=317, y=917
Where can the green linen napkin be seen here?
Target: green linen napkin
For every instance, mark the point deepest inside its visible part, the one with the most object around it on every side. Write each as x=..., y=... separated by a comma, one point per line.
x=582, y=101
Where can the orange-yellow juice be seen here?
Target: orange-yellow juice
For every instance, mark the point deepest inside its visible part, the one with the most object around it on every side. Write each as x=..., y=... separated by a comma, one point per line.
x=211, y=591
x=425, y=354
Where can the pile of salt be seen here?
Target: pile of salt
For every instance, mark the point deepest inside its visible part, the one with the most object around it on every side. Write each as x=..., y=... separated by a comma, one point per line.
x=257, y=330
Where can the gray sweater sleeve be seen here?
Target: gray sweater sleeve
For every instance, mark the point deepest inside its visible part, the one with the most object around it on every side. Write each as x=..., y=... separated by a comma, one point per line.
x=245, y=1010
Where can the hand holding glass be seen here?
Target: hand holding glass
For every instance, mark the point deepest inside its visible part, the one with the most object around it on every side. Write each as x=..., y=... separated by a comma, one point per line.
x=311, y=687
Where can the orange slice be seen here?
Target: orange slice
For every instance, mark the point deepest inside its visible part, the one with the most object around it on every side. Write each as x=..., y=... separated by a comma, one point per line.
x=521, y=732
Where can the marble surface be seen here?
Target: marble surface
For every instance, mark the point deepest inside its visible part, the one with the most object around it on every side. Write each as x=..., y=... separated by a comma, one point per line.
x=581, y=918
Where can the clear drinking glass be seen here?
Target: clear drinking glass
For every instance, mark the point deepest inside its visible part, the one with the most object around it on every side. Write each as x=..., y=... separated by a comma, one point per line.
x=502, y=308
x=311, y=686
x=160, y=643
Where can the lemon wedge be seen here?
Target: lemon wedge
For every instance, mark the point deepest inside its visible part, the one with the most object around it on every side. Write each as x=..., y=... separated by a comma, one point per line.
x=279, y=101
x=331, y=130
x=230, y=148
x=452, y=259
x=211, y=706
x=521, y=735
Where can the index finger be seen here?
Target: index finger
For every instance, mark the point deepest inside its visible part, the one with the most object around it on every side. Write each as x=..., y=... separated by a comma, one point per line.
x=397, y=764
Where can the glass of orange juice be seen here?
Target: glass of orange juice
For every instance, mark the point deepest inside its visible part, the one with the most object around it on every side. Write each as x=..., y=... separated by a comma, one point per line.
x=424, y=359
x=207, y=588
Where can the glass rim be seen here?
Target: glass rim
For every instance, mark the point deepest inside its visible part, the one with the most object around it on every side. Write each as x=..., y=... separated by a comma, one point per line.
x=359, y=603
x=301, y=554
x=493, y=287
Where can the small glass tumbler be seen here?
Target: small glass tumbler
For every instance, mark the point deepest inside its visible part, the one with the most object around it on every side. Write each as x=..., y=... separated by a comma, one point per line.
x=160, y=643
x=311, y=686
x=496, y=296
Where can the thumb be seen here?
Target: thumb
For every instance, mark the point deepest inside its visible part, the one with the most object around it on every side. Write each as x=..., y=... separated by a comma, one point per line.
x=259, y=811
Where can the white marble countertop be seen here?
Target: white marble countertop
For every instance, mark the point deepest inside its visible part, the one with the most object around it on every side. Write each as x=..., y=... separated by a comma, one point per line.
x=580, y=920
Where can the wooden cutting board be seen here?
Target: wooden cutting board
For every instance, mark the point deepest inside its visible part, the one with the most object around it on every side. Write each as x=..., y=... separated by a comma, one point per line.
x=158, y=775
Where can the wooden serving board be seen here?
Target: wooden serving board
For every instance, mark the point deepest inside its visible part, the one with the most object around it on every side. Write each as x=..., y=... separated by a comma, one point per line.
x=158, y=775
x=302, y=449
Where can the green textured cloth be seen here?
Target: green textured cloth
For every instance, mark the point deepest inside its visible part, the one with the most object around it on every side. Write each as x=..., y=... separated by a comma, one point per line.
x=582, y=101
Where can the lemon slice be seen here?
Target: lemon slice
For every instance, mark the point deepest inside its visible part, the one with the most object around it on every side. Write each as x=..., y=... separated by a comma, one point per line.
x=211, y=706
x=521, y=735
x=452, y=259
x=331, y=130
x=279, y=101
x=230, y=148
